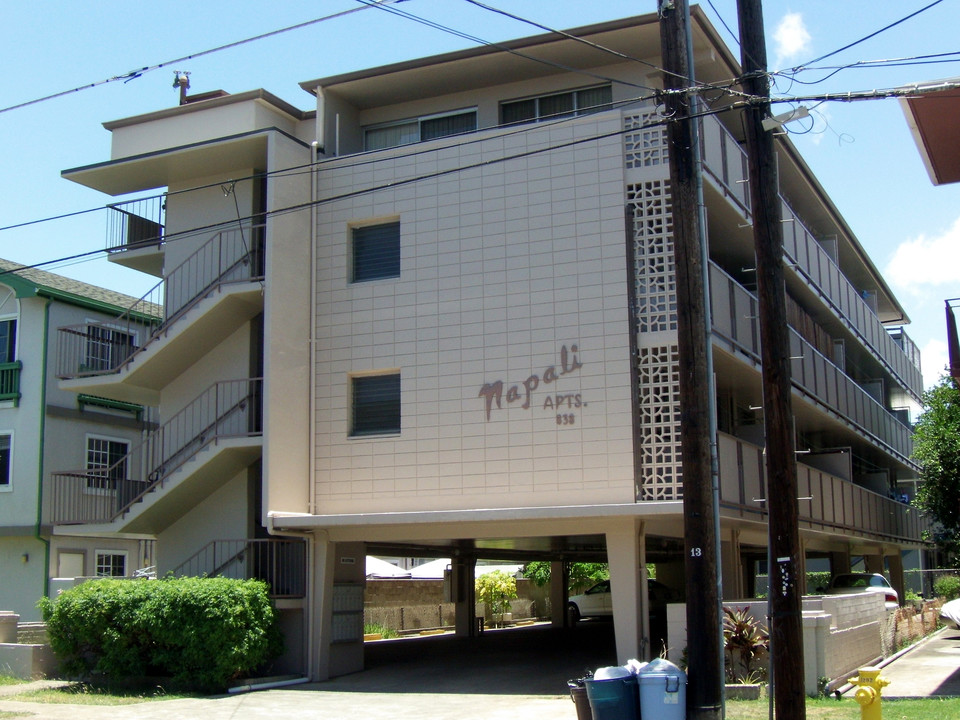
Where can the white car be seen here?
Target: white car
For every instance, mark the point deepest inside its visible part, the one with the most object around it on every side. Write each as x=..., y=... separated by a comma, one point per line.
x=595, y=602
x=950, y=614
x=850, y=583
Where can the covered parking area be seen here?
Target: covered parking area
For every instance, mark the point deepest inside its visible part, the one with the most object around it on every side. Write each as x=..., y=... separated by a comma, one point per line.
x=627, y=537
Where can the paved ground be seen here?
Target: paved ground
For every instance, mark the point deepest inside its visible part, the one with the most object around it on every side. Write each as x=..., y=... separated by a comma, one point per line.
x=929, y=668
x=495, y=677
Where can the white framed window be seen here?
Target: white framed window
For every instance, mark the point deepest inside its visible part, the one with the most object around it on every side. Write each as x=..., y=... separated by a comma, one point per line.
x=375, y=403
x=556, y=105
x=106, y=462
x=111, y=563
x=8, y=340
x=375, y=251
x=6, y=460
x=107, y=347
x=419, y=129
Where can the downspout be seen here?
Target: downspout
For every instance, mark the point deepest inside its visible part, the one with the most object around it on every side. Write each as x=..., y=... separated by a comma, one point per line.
x=43, y=421
x=315, y=149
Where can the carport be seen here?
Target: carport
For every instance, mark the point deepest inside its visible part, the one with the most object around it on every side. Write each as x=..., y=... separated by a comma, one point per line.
x=617, y=535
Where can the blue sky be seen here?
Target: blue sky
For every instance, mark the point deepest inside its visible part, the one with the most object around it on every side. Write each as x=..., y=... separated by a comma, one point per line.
x=862, y=153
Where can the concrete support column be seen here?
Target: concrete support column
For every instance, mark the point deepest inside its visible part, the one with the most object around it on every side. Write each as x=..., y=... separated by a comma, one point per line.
x=321, y=607
x=731, y=565
x=628, y=586
x=463, y=592
x=559, y=594
x=874, y=563
x=839, y=562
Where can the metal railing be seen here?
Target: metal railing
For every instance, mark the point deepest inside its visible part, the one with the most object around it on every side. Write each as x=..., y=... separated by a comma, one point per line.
x=10, y=380
x=725, y=161
x=833, y=502
x=230, y=256
x=135, y=224
x=228, y=409
x=281, y=563
x=734, y=311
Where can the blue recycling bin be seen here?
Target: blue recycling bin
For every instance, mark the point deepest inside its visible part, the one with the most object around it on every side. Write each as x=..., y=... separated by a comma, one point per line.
x=613, y=698
x=662, y=688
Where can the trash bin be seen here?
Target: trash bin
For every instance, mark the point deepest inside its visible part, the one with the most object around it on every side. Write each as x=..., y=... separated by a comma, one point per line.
x=578, y=693
x=613, y=698
x=662, y=688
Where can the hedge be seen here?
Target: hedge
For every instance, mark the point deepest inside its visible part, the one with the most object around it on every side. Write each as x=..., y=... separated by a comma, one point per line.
x=202, y=632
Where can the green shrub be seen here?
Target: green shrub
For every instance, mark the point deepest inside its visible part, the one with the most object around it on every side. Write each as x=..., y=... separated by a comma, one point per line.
x=947, y=586
x=383, y=631
x=204, y=632
x=817, y=580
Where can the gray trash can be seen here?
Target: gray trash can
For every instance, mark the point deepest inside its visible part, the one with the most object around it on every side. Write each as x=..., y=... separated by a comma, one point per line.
x=613, y=698
x=662, y=687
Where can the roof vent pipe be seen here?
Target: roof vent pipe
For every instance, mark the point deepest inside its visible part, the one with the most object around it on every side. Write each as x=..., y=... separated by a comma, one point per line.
x=181, y=79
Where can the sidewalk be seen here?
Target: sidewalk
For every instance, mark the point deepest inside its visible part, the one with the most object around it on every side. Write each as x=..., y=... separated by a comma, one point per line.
x=929, y=668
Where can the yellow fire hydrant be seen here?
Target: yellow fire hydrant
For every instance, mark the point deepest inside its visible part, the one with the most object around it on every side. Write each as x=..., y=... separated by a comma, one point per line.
x=868, y=694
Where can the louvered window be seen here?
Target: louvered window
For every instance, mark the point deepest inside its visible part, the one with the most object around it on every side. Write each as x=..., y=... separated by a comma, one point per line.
x=376, y=404
x=376, y=252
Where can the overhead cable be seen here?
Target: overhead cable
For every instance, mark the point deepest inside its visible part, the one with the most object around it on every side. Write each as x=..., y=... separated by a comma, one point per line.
x=134, y=74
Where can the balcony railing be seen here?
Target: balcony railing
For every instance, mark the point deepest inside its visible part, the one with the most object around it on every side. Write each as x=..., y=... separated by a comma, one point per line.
x=229, y=257
x=811, y=260
x=725, y=161
x=10, y=380
x=229, y=409
x=833, y=503
x=135, y=224
x=282, y=564
x=734, y=311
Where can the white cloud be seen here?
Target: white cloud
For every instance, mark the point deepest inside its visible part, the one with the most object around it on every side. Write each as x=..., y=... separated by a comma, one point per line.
x=934, y=362
x=920, y=263
x=791, y=38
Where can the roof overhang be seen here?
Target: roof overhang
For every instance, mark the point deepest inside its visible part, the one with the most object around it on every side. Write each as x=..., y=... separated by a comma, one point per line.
x=510, y=61
x=934, y=120
x=173, y=165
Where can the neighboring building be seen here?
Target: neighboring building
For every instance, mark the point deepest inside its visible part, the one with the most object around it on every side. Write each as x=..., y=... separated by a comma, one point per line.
x=44, y=429
x=422, y=346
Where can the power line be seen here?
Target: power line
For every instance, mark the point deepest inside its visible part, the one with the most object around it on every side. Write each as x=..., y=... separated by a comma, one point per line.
x=134, y=74
x=594, y=45
x=852, y=96
x=364, y=191
x=871, y=35
x=916, y=60
x=308, y=167
x=498, y=46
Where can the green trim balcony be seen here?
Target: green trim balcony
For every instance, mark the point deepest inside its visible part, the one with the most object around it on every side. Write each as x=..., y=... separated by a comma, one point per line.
x=10, y=381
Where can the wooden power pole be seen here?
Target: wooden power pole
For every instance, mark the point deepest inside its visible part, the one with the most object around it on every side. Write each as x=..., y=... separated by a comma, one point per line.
x=705, y=654
x=786, y=629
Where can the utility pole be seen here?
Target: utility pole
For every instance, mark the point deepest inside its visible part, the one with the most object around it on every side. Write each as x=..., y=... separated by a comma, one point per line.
x=786, y=629
x=705, y=656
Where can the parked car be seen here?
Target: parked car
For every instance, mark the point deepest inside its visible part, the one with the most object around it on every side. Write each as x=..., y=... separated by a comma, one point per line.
x=950, y=614
x=849, y=583
x=595, y=602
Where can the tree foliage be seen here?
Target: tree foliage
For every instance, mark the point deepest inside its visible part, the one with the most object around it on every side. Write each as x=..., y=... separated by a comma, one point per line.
x=582, y=574
x=936, y=448
x=496, y=589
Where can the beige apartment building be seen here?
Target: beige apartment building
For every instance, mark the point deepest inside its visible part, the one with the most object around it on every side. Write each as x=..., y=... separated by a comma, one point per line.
x=399, y=324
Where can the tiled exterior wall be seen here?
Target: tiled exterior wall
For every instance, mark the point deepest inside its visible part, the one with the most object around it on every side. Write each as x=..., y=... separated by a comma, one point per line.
x=511, y=271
